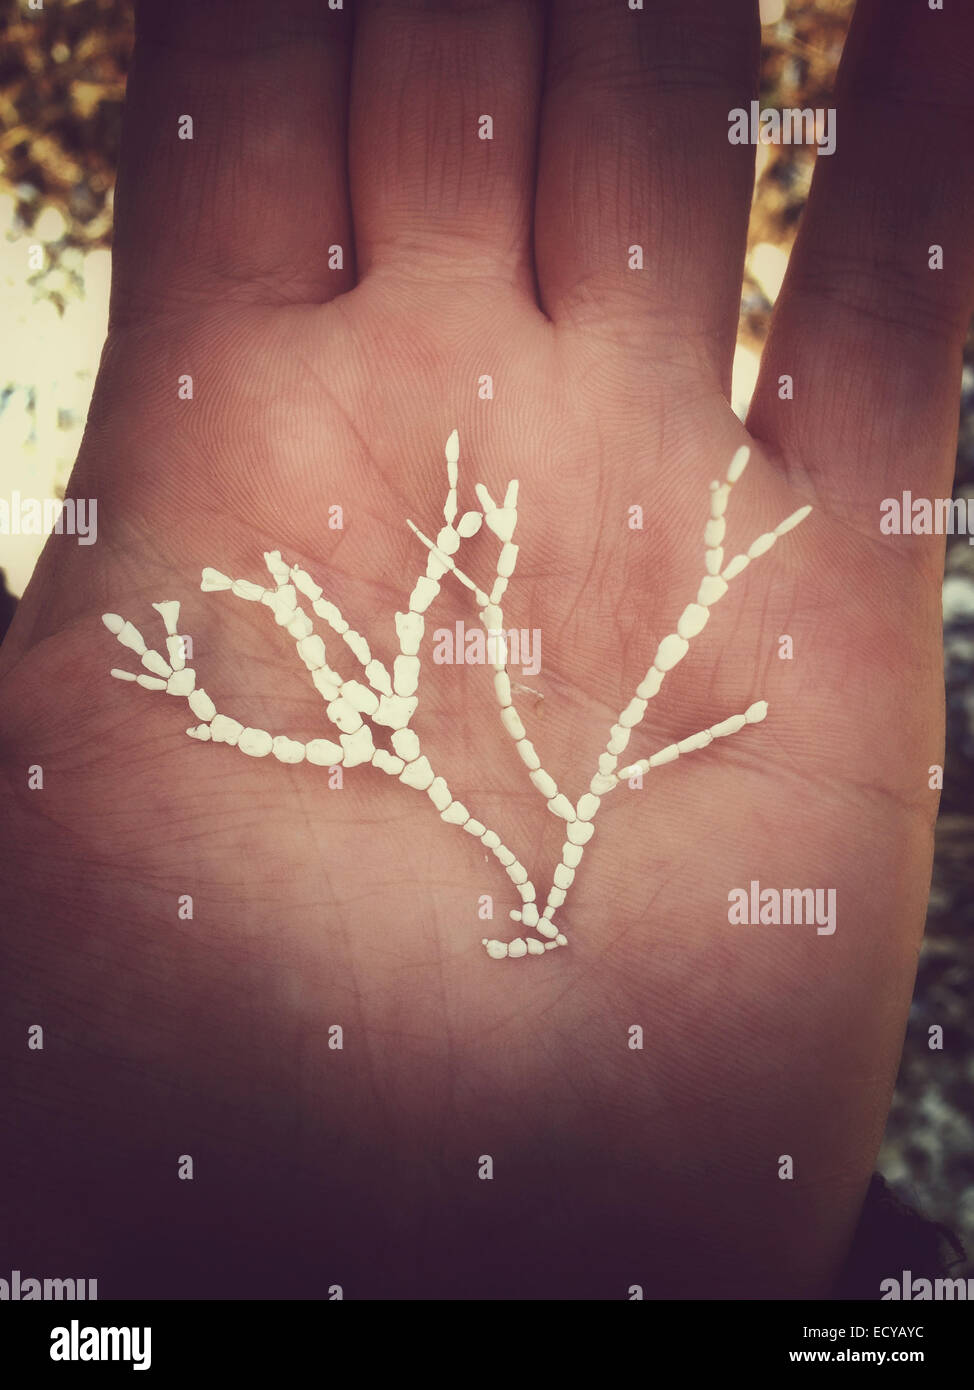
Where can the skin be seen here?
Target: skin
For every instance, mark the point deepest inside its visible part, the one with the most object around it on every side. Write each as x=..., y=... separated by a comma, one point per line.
x=314, y=906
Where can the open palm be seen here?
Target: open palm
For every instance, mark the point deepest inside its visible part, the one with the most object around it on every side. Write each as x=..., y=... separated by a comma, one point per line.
x=315, y=905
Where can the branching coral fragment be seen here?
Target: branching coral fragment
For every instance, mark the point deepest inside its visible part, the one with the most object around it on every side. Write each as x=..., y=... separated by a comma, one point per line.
x=359, y=710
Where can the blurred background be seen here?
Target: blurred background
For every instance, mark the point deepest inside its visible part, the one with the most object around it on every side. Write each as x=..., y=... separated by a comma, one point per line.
x=62, y=86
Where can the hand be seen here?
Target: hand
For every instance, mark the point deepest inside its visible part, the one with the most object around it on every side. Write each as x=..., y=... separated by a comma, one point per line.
x=313, y=906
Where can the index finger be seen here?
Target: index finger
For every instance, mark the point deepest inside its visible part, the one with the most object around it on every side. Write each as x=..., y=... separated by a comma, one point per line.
x=868, y=326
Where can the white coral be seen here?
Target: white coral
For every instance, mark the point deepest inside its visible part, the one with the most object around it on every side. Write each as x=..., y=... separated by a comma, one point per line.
x=390, y=700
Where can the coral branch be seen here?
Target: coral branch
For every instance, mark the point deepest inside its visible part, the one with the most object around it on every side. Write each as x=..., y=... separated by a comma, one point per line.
x=669, y=652
x=355, y=745
x=673, y=648
x=754, y=714
x=580, y=833
x=492, y=617
x=213, y=726
x=390, y=700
